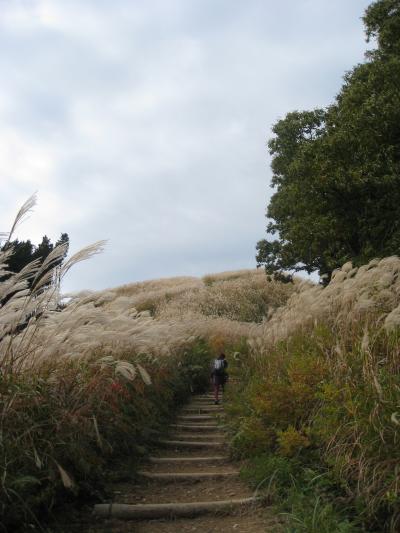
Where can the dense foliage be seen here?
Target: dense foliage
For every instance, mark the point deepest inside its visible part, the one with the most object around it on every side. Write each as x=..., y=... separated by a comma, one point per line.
x=336, y=171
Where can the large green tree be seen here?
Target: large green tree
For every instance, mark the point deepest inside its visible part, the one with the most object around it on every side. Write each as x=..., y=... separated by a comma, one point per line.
x=336, y=171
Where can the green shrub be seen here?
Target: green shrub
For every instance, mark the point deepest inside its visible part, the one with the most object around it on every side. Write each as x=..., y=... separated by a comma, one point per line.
x=270, y=473
x=306, y=498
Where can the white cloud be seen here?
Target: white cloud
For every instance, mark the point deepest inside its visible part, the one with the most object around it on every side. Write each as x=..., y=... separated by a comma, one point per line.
x=146, y=122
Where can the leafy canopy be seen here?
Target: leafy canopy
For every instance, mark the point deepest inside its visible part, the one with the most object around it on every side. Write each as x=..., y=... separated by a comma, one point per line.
x=336, y=171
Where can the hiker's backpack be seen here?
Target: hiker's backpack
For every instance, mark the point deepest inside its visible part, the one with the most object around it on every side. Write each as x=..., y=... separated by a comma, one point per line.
x=219, y=367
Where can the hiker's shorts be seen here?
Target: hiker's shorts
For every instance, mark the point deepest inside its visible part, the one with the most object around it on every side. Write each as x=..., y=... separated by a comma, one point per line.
x=218, y=380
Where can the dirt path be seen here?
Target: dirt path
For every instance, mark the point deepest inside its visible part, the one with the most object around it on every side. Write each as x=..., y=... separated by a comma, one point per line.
x=191, y=467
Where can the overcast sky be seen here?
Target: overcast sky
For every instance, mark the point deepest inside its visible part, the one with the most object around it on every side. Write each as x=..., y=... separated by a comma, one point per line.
x=145, y=122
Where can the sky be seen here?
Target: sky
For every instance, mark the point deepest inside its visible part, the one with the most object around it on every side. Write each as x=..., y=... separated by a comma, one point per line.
x=145, y=122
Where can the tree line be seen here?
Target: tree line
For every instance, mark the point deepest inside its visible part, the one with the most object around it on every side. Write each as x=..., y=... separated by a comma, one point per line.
x=336, y=171
x=24, y=252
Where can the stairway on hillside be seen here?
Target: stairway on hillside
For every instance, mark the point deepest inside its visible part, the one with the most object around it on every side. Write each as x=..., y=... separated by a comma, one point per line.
x=189, y=485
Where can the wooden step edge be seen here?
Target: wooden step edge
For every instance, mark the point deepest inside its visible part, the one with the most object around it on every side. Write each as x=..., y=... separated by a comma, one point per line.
x=168, y=510
x=191, y=444
x=196, y=427
x=194, y=436
x=202, y=406
x=205, y=403
x=205, y=399
x=218, y=433
x=192, y=419
x=205, y=433
x=202, y=394
x=207, y=395
x=191, y=459
x=186, y=476
x=209, y=408
x=200, y=410
x=195, y=417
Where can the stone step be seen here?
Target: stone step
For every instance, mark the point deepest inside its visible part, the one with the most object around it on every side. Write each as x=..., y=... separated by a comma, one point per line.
x=168, y=510
x=168, y=477
x=191, y=459
x=190, y=444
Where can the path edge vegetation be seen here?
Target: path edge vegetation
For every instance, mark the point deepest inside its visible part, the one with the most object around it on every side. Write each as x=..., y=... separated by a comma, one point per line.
x=65, y=419
x=79, y=419
x=316, y=410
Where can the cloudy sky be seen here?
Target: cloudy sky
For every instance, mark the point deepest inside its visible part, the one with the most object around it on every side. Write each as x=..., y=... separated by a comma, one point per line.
x=145, y=122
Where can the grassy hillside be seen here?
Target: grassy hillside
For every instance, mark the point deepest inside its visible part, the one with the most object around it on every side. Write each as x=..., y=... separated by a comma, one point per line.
x=316, y=409
x=100, y=378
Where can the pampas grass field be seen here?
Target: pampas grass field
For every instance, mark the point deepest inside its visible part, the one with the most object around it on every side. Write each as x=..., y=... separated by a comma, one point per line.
x=85, y=382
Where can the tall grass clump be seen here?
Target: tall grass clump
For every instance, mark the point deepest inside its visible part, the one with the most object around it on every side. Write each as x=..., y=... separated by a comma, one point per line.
x=321, y=386
x=80, y=385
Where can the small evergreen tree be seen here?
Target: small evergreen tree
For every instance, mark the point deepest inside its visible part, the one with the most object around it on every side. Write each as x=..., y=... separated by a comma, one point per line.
x=25, y=252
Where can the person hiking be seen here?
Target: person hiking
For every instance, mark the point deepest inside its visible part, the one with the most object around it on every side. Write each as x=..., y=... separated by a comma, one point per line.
x=219, y=375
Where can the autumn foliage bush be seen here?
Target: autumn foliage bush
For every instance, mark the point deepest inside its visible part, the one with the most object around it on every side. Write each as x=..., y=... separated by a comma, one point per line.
x=323, y=383
x=67, y=420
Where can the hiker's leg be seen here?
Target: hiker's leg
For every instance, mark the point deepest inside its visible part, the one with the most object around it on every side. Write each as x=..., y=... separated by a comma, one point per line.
x=216, y=391
x=215, y=386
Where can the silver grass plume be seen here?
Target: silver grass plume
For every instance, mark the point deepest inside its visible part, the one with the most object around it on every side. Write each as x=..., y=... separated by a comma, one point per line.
x=22, y=213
